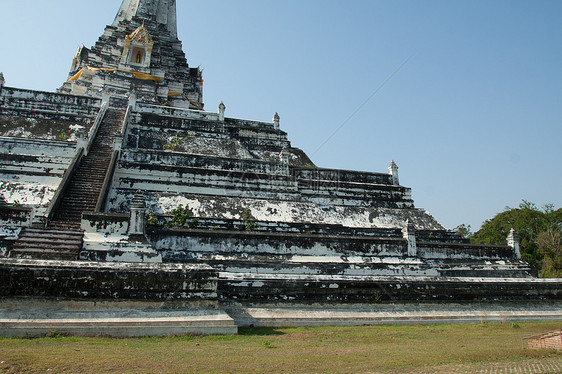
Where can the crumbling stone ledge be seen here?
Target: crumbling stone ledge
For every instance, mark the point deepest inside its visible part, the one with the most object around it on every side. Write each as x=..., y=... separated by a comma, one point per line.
x=97, y=280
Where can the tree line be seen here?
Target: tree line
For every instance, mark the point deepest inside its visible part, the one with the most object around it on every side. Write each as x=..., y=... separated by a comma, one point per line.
x=540, y=232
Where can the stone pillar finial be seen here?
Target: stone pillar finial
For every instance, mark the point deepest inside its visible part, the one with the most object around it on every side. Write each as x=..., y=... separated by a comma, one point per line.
x=2, y=82
x=137, y=221
x=393, y=171
x=409, y=233
x=81, y=138
x=105, y=97
x=133, y=100
x=513, y=241
x=117, y=142
x=276, y=120
x=222, y=109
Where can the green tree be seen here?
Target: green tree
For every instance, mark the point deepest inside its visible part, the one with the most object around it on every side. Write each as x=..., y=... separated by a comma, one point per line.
x=527, y=220
x=550, y=247
x=463, y=230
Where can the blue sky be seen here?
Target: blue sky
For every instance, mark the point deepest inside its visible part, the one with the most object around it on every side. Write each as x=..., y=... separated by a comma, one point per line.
x=473, y=118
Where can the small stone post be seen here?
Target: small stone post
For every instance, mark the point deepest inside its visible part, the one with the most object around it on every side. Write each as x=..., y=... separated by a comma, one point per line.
x=409, y=233
x=133, y=100
x=284, y=158
x=276, y=120
x=81, y=138
x=117, y=142
x=222, y=109
x=137, y=221
x=514, y=242
x=2, y=82
x=393, y=171
x=105, y=97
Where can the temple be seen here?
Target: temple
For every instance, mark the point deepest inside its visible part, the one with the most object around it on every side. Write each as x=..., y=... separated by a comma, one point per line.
x=123, y=199
x=138, y=55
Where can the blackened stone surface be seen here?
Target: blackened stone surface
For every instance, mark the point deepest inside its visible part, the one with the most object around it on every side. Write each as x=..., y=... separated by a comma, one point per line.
x=93, y=280
x=385, y=289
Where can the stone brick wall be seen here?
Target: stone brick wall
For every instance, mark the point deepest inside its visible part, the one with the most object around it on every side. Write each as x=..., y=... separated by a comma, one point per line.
x=37, y=103
x=376, y=290
x=106, y=280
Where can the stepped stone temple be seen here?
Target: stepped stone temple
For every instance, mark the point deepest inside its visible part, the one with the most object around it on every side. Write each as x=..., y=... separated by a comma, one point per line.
x=127, y=209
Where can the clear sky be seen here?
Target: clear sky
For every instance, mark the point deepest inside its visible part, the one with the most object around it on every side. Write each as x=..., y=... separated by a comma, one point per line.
x=472, y=113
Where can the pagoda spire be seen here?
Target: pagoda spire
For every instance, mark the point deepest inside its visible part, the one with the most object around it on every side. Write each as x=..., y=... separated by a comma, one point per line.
x=162, y=12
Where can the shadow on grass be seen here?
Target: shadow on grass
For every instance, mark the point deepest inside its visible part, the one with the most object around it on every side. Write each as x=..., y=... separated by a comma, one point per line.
x=259, y=331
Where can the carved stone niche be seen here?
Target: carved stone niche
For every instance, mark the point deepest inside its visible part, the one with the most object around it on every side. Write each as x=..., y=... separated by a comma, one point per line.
x=137, y=50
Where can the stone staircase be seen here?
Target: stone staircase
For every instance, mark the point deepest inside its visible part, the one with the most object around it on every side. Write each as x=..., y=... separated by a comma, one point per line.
x=48, y=244
x=62, y=239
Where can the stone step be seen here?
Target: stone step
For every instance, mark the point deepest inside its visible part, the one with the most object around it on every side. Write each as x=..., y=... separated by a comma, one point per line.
x=48, y=240
x=82, y=198
x=37, y=248
x=90, y=191
x=77, y=198
x=70, y=217
x=50, y=244
x=45, y=255
x=86, y=183
x=76, y=207
x=63, y=225
x=84, y=177
x=91, y=171
x=85, y=187
x=53, y=233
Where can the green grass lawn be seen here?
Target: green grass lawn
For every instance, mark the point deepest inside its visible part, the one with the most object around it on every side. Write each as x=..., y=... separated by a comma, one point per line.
x=372, y=349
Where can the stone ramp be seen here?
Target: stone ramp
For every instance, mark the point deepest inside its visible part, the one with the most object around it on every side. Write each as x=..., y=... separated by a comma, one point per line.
x=39, y=317
x=354, y=314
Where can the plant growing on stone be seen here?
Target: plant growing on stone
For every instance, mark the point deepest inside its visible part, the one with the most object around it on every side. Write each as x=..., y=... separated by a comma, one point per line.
x=151, y=218
x=194, y=223
x=376, y=298
x=249, y=223
x=177, y=141
x=181, y=217
x=63, y=136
